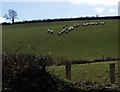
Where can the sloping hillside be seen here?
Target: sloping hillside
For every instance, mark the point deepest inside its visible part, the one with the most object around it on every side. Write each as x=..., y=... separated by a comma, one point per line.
x=84, y=42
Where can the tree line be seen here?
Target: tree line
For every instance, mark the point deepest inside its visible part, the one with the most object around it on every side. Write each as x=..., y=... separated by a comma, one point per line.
x=12, y=15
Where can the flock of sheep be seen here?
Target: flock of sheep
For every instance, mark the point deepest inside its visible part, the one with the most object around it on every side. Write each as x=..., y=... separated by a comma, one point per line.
x=66, y=29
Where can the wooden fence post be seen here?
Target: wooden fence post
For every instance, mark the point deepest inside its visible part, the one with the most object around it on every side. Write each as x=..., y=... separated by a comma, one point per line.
x=68, y=71
x=112, y=73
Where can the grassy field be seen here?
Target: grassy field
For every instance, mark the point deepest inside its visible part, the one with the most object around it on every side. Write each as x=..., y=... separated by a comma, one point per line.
x=98, y=72
x=83, y=43
x=89, y=42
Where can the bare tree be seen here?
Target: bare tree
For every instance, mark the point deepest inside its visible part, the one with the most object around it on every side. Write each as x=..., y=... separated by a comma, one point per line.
x=12, y=15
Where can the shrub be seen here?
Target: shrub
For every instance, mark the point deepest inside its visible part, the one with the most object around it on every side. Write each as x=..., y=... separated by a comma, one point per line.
x=26, y=73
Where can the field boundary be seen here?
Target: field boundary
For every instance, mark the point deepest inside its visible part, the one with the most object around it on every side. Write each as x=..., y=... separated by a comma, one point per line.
x=86, y=61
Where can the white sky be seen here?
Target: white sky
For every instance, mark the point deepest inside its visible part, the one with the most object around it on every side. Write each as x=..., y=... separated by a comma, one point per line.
x=100, y=7
x=96, y=2
x=103, y=2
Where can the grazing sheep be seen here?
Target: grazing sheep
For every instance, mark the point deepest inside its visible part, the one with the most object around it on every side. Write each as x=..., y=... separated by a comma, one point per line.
x=84, y=24
x=66, y=31
x=66, y=28
x=102, y=23
x=91, y=23
x=48, y=30
x=62, y=31
x=70, y=28
x=96, y=23
x=51, y=31
x=59, y=33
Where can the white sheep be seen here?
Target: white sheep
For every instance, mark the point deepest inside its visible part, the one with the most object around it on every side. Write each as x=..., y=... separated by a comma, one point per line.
x=59, y=33
x=51, y=31
x=66, y=31
x=70, y=28
x=102, y=23
x=48, y=30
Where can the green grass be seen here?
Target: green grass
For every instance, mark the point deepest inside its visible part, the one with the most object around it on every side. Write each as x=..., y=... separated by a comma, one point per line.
x=82, y=43
x=98, y=72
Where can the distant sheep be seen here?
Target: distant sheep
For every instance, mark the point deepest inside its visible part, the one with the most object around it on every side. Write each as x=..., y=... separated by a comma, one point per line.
x=51, y=31
x=59, y=33
x=84, y=24
x=48, y=30
x=102, y=23
x=66, y=31
x=70, y=28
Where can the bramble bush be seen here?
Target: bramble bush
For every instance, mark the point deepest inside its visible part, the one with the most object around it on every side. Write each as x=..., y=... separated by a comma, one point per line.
x=26, y=73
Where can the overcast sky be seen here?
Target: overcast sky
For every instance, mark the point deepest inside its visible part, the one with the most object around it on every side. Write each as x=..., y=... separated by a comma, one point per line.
x=41, y=9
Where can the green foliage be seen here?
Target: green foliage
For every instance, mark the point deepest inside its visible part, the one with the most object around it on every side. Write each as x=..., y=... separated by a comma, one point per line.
x=26, y=73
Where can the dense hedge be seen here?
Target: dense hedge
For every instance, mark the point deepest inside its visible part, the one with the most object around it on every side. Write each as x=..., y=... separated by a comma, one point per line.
x=26, y=73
